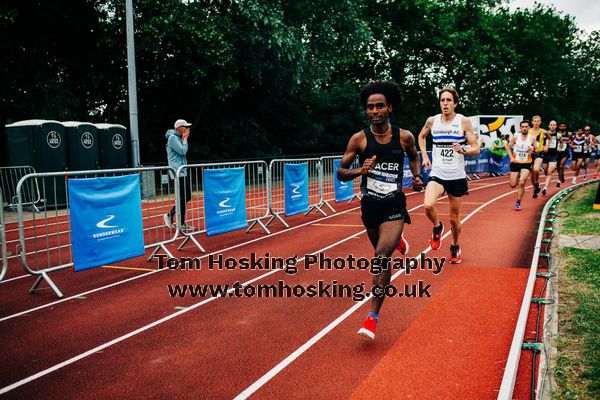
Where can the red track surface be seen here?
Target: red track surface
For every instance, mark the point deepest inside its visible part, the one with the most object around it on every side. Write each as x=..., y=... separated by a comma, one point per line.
x=452, y=345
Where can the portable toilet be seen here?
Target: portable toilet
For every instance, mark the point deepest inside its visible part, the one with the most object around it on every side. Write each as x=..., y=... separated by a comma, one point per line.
x=114, y=145
x=41, y=144
x=84, y=149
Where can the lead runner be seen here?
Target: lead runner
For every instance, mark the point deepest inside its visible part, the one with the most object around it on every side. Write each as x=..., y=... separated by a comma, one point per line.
x=451, y=132
x=380, y=149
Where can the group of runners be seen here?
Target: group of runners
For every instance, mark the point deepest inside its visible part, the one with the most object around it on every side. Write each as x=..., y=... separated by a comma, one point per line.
x=381, y=149
x=535, y=149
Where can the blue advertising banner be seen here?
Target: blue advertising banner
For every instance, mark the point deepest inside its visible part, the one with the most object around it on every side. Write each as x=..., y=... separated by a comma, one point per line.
x=499, y=165
x=471, y=163
x=483, y=162
x=426, y=171
x=224, y=200
x=343, y=190
x=295, y=182
x=106, y=220
x=407, y=176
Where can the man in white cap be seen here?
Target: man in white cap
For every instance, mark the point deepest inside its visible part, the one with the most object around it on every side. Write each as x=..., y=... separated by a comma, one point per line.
x=177, y=147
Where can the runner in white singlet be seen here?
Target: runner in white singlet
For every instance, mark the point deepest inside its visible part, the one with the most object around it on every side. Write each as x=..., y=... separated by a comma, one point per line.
x=453, y=138
x=519, y=150
x=550, y=158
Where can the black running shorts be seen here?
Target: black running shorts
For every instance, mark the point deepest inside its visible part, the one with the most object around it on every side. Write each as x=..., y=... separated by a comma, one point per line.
x=535, y=156
x=376, y=211
x=577, y=156
x=517, y=167
x=454, y=187
x=548, y=158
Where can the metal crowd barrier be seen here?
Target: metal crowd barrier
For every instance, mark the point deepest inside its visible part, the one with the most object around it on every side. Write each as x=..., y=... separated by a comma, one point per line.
x=328, y=181
x=9, y=177
x=45, y=237
x=277, y=189
x=257, y=197
x=3, y=255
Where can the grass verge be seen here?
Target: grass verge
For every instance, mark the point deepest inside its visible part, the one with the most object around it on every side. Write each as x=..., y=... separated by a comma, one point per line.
x=577, y=215
x=577, y=364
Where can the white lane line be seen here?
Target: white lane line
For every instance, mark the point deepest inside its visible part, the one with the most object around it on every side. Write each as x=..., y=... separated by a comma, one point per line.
x=307, y=345
x=160, y=270
x=76, y=296
x=350, y=211
x=308, y=223
x=169, y=317
x=16, y=278
x=153, y=324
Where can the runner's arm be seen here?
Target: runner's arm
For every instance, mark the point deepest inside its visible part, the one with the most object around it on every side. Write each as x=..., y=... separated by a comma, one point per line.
x=407, y=140
x=423, y=142
x=509, y=147
x=467, y=127
x=344, y=173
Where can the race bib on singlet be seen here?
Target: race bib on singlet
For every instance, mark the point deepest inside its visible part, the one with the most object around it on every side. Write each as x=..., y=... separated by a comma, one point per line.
x=562, y=146
x=445, y=156
x=381, y=188
x=522, y=155
x=552, y=142
x=577, y=148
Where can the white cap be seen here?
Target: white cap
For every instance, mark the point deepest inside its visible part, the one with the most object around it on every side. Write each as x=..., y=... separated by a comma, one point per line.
x=181, y=122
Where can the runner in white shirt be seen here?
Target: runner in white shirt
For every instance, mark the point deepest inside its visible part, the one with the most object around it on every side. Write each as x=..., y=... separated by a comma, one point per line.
x=577, y=146
x=451, y=133
x=563, y=151
x=587, y=148
x=519, y=150
x=550, y=158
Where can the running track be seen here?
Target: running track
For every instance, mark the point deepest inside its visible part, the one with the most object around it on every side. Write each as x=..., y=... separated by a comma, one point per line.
x=129, y=339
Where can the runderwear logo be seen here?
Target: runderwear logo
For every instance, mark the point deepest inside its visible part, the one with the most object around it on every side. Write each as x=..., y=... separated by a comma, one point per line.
x=222, y=204
x=107, y=234
x=296, y=190
x=102, y=224
x=227, y=208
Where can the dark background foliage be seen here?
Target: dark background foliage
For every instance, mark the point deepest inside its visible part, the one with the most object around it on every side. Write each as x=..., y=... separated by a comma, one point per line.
x=266, y=78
